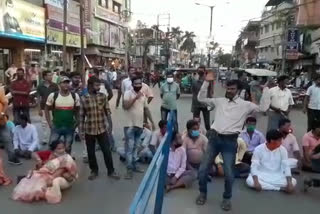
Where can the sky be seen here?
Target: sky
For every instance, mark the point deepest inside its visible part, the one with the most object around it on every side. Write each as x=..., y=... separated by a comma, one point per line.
x=229, y=17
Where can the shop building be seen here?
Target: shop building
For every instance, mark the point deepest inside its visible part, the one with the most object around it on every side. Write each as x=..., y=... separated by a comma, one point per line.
x=22, y=34
x=54, y=33
x=105, y=31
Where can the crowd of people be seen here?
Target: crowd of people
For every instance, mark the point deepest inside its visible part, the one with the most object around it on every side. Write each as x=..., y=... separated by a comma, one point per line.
x=230, y=146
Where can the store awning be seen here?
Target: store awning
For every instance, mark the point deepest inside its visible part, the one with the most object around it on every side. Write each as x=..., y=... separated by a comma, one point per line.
x=103, y=52
x=261, y=72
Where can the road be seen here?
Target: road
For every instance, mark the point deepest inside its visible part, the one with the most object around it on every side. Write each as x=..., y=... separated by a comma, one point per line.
x=107, y=196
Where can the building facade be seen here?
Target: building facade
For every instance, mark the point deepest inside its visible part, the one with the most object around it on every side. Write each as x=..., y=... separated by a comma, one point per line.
x=106, y=32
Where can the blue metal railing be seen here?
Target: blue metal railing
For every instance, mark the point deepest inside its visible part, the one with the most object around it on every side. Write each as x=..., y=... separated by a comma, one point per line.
x=151, y=190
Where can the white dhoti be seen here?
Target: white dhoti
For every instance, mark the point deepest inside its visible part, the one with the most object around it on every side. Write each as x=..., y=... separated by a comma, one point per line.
x=53, y=194
x=270, y=182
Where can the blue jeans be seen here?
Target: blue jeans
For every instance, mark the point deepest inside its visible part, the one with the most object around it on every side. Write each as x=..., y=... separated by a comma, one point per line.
x=227, y=146
x=132, y=139
x=66, y=133
x=6, y=142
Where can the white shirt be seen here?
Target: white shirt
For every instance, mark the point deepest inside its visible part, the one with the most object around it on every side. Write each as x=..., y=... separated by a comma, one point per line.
x=134, y=115
x=230, y=115
x=270, y=165
x=127, y=85
x=314, y=94
x=25, y=138
x=281, y=99
x=114, y=76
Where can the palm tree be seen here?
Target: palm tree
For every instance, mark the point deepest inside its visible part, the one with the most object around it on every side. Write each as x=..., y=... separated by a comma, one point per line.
x=188, y=44
x=213, y=45
x=176, y=34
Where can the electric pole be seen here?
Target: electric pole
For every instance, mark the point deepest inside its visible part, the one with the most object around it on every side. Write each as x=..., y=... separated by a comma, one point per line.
x=82, y=33
x=65, y=6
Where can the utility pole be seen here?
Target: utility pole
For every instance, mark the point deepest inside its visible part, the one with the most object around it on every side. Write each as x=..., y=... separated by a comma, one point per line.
x=65, y=6
x=82, y=59
x=209, y=51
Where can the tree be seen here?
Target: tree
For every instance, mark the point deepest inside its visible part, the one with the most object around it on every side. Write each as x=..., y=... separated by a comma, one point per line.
x=213, y=45
x=188, y=44
x=176, y=33
x=223, y=59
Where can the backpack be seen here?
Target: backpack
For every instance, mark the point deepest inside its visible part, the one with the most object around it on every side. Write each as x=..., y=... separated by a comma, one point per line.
x=55, y=96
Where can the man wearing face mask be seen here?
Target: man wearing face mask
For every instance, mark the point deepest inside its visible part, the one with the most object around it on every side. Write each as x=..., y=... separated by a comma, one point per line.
x=195, y=144
x=252, y=137
x=270, y=169
x=20, y=89
x=196, y=106
x=134, y=102
x=170, y=93
x=230, y=115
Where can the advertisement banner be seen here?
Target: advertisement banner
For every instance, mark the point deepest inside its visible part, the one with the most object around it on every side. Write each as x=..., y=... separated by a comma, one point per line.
x=22, y=20
x=100, y=34
x=73, y=13
x=114, y=36
x=87, y=13
x=55, y=37
x=56, y=3
x=293, y=41
x=106, y=15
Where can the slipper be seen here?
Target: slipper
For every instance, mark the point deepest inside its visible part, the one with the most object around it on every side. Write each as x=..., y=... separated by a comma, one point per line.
x=201, y=199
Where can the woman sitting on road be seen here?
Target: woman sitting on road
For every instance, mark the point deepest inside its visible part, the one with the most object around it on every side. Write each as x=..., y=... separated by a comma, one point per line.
x=177, y=175
x=55, y=171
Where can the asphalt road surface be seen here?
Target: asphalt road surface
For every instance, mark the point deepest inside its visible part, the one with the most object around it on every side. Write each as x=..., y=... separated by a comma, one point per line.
x=114, y=197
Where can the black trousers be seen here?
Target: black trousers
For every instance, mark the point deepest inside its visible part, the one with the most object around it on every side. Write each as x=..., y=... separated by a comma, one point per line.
x=104, y=144
x=313, y=115
x=205, y=114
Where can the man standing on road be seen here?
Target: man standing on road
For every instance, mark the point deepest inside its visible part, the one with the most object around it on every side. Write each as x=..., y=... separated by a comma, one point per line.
x=170, y=93
x=44, y=89
x=20, y=89
x=231, y=113
x=93, y=126
x=198, y=107
x=312, y=102
x=279, y=100
x=65, y=111
x=134, y=102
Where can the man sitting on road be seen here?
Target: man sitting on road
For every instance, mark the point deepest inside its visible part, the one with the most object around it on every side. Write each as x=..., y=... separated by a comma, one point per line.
x=252, y=137
x=290, y=142
x=241, y=169
x=25, y=138
x=311, y=141
x=270, y=168
x=195, y=144
x=158, y=135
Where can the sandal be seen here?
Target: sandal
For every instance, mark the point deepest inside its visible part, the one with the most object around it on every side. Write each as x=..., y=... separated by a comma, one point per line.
x=201, y=199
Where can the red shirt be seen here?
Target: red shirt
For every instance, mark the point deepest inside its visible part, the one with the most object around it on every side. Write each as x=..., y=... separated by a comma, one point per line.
x=44, y=155
x=20, y=86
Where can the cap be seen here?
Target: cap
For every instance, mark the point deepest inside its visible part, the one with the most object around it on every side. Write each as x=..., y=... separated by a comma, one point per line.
x=64, y=79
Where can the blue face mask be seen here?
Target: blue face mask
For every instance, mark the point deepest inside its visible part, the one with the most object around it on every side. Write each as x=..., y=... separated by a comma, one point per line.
x=195, y=133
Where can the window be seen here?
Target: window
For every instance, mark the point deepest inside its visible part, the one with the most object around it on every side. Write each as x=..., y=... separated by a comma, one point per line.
x=272, y=26
x=278, y=24
x=261, y=30
x=272, y=49
x=116, y=7
x=266, y=29
x=103, y=3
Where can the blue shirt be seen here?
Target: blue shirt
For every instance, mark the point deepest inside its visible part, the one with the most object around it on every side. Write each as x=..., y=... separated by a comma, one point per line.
x=256, y=139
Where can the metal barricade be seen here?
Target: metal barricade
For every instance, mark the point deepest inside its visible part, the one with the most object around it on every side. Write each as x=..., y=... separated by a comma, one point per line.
x=149, y=197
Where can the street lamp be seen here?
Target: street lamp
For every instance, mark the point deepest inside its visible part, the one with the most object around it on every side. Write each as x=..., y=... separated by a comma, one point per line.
x=211, y=10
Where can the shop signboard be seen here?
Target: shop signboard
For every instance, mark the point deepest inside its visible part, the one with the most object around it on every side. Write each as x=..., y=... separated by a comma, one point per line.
x=22, y=20
x=292, y=51
x=87, y=13
x=55, y=24
x=106, y=15
x=56, y=3
x=55, y=37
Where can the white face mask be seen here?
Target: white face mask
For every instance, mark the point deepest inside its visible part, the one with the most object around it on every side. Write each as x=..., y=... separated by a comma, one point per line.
x=170, y=79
